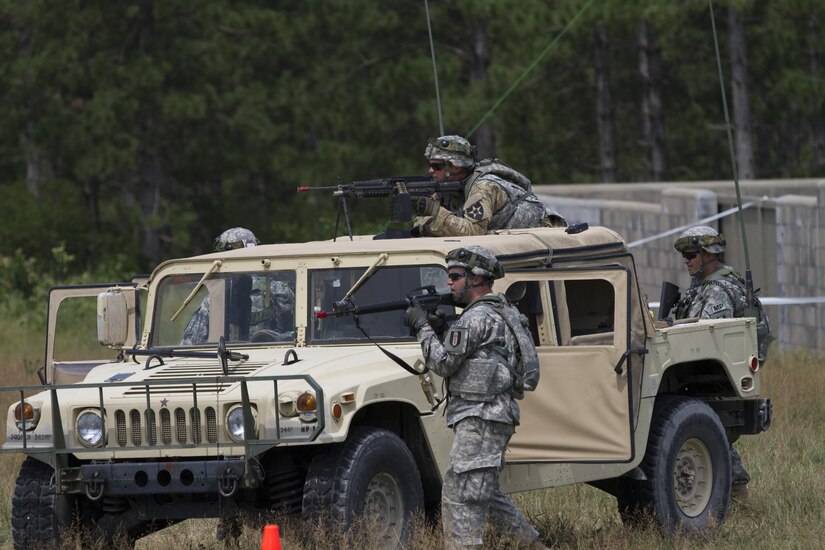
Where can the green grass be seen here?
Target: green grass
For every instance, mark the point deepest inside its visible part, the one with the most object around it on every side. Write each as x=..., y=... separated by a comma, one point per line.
x=785, y=509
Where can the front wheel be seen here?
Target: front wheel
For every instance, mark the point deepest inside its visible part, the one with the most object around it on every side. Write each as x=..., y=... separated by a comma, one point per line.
x=372, y=474
x=688, y=469
x=38, y=512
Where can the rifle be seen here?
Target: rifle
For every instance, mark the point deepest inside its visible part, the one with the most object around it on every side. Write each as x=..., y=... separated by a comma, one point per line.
x=424, y=297
x=401, y=188
x=670, y=296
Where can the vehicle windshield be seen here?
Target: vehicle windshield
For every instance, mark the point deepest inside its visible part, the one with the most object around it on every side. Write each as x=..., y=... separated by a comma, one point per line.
x=241, y=307
x=328, y=286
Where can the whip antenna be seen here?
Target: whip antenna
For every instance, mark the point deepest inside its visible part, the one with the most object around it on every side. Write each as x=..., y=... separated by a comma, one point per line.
x=751, y=303
x=435, y=71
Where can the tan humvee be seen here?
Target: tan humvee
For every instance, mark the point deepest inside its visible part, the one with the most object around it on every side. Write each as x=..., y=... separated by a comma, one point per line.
x=315, y=416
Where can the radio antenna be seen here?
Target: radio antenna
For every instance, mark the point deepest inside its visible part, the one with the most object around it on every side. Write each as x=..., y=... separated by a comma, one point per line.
x=435, y=71
x=748, y=275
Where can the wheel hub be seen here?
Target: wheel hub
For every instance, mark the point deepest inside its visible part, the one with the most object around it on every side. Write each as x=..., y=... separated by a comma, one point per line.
x=693, y=477
x=383, y=506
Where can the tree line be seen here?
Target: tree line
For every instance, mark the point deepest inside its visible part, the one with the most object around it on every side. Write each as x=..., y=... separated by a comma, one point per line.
x=137, y=131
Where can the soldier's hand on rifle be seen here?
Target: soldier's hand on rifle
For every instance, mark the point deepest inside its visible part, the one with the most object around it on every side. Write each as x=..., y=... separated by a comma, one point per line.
x=426, y=206
x=438, y=322
x=415, y=318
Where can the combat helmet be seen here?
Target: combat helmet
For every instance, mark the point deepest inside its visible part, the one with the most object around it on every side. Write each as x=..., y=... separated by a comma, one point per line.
x=237, y=237
x=454, y=149
x=477, y=260
x=700, y=237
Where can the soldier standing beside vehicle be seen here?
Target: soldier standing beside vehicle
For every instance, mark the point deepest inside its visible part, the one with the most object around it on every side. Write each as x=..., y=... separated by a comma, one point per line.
x=489, y=360
x=272, y=309
x=716, y=291
x=495, y=196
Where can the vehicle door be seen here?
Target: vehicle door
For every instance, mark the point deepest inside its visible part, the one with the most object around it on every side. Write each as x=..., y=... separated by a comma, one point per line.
x=72, y=347
x=582, y=408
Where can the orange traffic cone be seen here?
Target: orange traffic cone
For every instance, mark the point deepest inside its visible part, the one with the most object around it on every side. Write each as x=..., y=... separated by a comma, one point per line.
x=272, y=538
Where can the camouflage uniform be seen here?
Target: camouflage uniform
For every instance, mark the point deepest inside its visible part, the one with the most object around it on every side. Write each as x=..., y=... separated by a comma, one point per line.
x=277, y=316
x=272, y=309
x=491, y=202
x=483, y=413
x=720, y=295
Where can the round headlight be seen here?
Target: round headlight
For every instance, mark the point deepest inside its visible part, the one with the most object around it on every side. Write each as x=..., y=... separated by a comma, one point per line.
x=90, y=428
x=234, y=423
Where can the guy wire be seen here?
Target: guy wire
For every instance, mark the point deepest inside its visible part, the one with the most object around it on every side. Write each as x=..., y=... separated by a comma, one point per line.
x=529, y=69
x=435, y=71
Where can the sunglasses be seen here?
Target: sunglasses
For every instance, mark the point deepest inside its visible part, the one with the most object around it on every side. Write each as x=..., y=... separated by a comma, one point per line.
x=689, y=255
x=437, y=166
x=455, y=276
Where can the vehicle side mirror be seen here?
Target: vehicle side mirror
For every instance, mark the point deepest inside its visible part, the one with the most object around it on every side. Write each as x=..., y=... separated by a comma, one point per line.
x=112, y=318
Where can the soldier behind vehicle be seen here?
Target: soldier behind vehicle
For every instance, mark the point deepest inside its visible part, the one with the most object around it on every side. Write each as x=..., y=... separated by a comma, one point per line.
x=271, y=308
x=716, y=291
x=489, y=360
x=495, y=196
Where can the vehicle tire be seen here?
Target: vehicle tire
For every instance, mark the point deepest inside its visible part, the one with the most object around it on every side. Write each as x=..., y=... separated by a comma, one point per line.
x=38, y=513
x=688, y=469
x=372, y=474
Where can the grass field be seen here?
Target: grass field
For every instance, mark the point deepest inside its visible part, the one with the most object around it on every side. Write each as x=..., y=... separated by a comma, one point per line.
x=785, y=509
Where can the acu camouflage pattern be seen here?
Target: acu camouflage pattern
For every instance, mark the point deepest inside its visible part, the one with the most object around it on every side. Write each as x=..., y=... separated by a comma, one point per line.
x=721, y=295
x=273, y=312
x=700, y=237
x=482, y=411
x=471, y=493
x=237, y=237
x=477, y=260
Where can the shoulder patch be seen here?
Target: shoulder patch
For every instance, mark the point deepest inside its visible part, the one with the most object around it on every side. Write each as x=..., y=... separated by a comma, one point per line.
x=456, y=340
x=717, y=308
x=475, y=211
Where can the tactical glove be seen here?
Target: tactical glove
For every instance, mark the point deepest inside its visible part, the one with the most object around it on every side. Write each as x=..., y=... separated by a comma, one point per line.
x=426, y=206
x=415, y=318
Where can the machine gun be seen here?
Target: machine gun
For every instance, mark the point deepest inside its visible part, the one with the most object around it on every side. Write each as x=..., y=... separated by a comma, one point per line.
x=400, y=188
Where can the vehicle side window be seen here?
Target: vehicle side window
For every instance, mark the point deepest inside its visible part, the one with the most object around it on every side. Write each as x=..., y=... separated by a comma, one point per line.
x=585, y=311
x=526, y=296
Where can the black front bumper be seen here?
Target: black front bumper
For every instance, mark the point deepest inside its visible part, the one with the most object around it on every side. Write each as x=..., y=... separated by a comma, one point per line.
x=222, y=477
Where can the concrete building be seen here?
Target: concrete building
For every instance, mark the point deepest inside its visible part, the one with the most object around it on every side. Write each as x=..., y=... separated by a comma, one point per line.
x=784, y=232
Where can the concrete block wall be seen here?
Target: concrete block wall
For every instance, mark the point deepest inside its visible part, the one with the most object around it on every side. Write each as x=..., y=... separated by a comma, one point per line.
x=796, y=245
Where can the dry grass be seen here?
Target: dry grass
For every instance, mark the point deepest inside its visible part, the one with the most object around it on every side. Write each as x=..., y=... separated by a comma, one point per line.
x=785, y=509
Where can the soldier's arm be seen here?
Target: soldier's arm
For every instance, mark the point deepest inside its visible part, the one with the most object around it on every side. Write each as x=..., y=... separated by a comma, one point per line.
x=484, y=199
x=197, y=330
x=445, y=358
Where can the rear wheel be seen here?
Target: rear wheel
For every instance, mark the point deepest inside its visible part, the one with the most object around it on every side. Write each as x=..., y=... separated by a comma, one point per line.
x=688, y=469
x=372, y=474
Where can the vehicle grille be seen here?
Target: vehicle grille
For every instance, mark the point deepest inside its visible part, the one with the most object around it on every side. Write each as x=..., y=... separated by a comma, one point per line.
x=137, y=428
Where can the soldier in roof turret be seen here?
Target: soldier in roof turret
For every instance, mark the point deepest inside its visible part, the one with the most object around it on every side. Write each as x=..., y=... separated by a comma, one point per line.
x=495, y=196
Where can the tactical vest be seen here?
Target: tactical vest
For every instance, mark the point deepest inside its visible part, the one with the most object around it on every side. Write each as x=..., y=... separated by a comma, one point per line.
x=479, y=379
x=731, y=277
x=523, y=209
